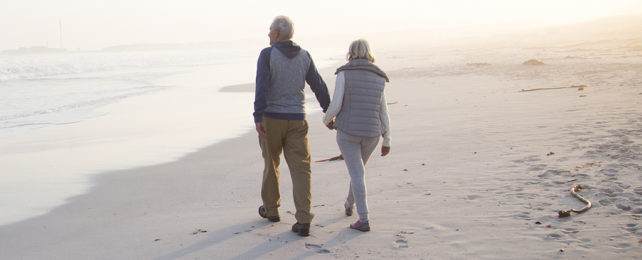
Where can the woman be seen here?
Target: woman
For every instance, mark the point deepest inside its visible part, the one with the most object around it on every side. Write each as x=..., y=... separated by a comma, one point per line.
x=359, y=105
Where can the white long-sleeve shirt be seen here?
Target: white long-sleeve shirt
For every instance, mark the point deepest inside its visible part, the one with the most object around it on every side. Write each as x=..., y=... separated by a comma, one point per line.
x=337, y=103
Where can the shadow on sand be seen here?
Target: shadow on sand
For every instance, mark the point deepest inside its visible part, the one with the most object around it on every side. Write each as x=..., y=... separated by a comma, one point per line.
x=213, y=238
x=326, y=248
x=265, y=248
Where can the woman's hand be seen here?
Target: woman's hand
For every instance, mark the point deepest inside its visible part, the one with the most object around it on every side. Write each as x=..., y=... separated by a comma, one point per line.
x=331, y=125
x=385, y=150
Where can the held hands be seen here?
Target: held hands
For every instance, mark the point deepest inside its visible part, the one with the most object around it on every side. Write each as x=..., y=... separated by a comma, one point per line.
x=331, y=125
x=385, y=150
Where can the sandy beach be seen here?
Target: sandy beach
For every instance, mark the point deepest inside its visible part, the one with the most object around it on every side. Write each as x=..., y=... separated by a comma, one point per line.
x=484, y=152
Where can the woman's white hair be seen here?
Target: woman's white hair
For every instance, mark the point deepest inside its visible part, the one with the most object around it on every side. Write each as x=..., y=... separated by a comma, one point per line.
x=284, y=25
x=360, y=49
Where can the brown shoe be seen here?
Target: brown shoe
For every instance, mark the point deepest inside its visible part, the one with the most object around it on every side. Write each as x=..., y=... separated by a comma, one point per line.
x=302, y=229
x=263, y=214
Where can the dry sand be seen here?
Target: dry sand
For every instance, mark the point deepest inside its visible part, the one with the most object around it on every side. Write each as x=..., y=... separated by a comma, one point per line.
x=478, y=170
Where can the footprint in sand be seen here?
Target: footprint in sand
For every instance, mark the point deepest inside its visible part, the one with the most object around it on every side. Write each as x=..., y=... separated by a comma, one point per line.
x=623, y=245
x=632, y=227
x=473, y=197
x=532, y=158
x=319, y=248
x=537, y=167
x=401, y=241
x=323, y=251
x=553, y=236
x=524, y=215
x=623, y=207
x=312, y=246
x=606, y=202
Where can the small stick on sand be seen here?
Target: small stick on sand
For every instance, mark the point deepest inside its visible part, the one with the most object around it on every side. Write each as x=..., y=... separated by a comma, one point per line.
x=578, y=87
x=336, y=158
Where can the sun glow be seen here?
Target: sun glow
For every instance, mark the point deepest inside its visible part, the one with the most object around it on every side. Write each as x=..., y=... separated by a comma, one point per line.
x=93, y=24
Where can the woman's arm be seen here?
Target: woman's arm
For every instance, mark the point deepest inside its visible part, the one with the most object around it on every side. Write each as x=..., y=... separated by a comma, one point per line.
x=337, y=99
x=385, y=121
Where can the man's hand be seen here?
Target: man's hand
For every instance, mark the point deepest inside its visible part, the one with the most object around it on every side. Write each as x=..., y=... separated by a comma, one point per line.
x=385, y=150
x=260, y=128
x=330, y=125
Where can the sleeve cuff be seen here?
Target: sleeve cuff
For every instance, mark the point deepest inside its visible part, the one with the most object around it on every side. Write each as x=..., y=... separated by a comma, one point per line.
x=326, y=119
x=258, y=119
x=386, y=140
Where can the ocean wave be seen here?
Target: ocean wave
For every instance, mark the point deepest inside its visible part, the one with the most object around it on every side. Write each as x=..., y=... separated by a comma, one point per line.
x=52, y=89
x=82, y=109
x=26, y=67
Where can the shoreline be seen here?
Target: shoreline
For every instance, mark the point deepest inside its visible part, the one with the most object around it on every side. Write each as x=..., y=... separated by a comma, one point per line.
x=100, y=156
x=48, y=165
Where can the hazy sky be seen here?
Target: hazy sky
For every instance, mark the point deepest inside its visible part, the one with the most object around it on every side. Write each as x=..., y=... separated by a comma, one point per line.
x=94, y=24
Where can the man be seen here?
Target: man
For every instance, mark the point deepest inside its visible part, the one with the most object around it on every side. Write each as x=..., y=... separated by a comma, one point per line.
x=279, y=115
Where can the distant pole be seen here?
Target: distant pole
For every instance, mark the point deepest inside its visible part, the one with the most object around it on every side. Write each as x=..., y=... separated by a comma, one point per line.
x=60, y=25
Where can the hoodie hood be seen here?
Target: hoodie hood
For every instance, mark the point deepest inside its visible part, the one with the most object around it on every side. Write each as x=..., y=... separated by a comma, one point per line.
x=363, y=64
x=288, y=48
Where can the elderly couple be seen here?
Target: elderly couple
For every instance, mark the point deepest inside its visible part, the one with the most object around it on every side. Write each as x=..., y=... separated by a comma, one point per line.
x=358, y=104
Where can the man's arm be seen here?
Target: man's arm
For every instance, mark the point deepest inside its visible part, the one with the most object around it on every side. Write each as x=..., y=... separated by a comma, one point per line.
x=317, y=85
x=262, y=84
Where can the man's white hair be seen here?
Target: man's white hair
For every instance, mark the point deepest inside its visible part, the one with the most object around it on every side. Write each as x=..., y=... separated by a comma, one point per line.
x=284, y=25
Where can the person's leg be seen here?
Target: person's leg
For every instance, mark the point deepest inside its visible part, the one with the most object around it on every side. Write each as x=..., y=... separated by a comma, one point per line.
x=350, y=147
x=349, y=204
x=271, y=147
x=297, y=156
x=368, y=145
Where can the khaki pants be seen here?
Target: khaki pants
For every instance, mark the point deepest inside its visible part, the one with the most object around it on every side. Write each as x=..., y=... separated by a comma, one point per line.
x=291, y=137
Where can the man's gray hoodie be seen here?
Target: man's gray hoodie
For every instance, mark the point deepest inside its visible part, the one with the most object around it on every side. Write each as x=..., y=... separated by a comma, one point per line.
x=282, y=71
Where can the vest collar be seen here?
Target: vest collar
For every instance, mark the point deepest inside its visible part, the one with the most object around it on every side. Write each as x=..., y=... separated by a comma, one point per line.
x=363, y=64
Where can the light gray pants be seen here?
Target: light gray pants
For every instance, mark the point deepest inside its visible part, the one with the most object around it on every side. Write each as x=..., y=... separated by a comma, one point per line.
x=356, y=150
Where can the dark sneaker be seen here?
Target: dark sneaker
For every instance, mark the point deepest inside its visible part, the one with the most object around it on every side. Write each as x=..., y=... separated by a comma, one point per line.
x=263, y=214
x=302, y=229
x=349, y=211
x=361, y=226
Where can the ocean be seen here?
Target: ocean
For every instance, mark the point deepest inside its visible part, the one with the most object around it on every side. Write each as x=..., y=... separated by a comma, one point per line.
x=66, y=117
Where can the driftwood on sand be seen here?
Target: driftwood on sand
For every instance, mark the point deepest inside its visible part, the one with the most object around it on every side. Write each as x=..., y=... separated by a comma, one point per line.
x=336, y=158
x=567, y=213
x=578, y=87
x=533, y=62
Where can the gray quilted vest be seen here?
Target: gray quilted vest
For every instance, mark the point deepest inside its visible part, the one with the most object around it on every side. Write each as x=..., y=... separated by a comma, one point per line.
x=364, y=84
